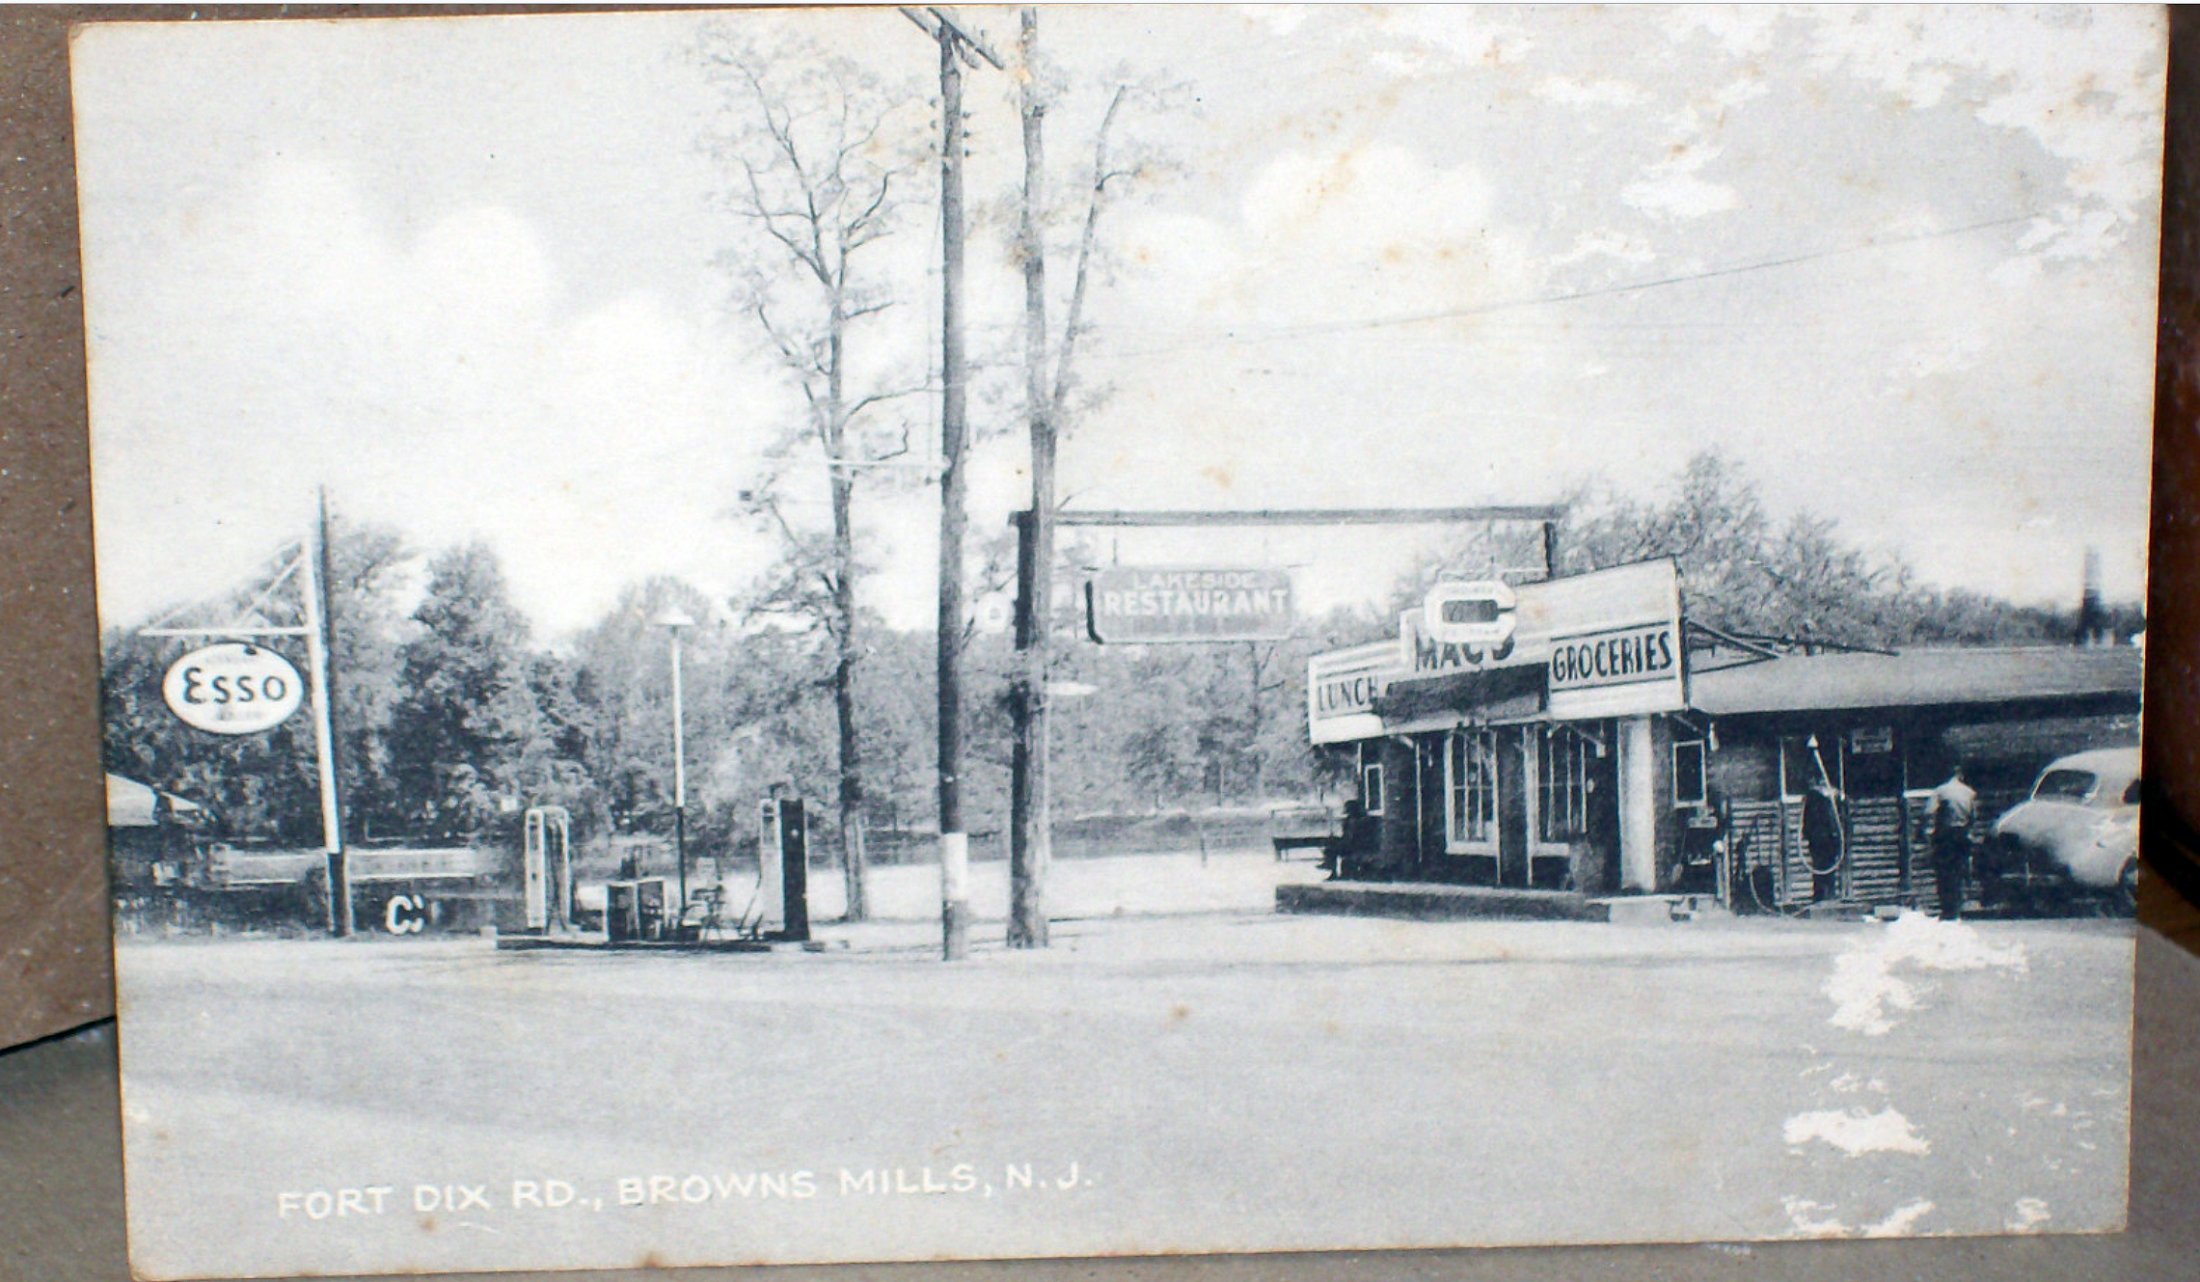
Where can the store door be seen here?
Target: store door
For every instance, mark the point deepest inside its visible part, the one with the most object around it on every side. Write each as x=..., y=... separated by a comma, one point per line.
x=1512, y=807
x=1428, y=757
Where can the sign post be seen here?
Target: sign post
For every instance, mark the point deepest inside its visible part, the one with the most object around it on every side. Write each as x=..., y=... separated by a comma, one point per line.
x=191, y=689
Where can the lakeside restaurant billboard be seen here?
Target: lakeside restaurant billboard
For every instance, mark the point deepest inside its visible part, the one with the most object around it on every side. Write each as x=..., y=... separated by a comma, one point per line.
x=1147, y=605
x=1609, y=642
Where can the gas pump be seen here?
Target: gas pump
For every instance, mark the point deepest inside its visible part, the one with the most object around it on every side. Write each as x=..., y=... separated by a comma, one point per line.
x=783, y=881
x=547, y=866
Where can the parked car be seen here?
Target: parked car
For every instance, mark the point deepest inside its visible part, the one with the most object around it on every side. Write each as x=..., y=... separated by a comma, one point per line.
x=2075, y=839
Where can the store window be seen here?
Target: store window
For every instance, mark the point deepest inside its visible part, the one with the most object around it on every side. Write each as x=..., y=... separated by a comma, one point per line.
x=1470, y=774
x=1371, y=787
x=1688, y=773
x=1562, y=786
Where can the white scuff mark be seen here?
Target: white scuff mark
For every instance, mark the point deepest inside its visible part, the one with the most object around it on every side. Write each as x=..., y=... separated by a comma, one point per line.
x=1865, y=988
x=1856, y=1131
x=1847, y=1083
x=1807, y=1219
x=1901, y=1221
x=2031, y=1212
x=1815, y=1069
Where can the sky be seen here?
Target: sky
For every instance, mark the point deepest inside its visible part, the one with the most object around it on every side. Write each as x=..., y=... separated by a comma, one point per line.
x=478, y=277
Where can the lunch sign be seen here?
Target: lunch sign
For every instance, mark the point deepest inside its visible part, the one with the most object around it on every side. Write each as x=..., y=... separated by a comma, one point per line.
x=1609, y=642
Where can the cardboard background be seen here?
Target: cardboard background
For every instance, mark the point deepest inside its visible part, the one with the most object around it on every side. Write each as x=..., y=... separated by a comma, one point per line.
x=60, y=1173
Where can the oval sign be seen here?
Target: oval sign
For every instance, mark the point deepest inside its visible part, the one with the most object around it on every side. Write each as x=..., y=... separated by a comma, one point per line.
x=232, y=688
x=1479, y=613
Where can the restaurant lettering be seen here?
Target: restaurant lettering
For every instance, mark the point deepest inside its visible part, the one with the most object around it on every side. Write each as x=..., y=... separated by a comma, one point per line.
x=1134, y=604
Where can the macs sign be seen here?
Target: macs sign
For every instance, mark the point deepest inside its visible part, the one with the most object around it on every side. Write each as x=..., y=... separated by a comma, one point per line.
x=1609, y=643
x=232, y=688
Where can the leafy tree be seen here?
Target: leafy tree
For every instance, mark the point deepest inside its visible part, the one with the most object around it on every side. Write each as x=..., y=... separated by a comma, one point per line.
x=818, y=157
x=466, y=713
x=266, y=786
x=1744, y=573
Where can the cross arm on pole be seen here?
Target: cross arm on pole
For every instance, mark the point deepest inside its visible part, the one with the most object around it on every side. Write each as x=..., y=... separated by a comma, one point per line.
x=238, y=631
x=1311, y=516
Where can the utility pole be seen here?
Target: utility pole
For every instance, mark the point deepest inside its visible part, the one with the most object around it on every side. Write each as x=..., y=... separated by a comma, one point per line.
x=673, y=621
x=1030, y=839
x=956, y=47
x=320, y=645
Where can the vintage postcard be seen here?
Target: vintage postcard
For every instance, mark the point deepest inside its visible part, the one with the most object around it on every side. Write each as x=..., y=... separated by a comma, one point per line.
x=882, y=634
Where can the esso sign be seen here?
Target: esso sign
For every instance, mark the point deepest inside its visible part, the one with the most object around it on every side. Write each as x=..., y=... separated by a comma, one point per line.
x=1469, y=613
x=232, y=688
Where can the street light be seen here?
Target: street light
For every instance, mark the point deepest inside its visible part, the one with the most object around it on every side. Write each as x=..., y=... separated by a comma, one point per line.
x=672, y=621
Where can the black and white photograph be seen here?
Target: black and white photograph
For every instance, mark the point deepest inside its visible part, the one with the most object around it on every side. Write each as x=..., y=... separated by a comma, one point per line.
x=859, y=634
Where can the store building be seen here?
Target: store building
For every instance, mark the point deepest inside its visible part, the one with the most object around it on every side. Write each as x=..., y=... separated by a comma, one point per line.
x=1596, y=742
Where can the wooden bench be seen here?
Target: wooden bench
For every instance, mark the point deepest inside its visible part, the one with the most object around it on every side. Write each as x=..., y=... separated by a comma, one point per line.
x=1321, y=842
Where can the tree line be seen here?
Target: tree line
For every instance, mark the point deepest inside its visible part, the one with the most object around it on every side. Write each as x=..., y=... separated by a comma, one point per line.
x=454, y=716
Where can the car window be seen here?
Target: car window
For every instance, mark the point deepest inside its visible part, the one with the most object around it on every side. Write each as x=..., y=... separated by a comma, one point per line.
x=2066, y=785
x=2131, y=793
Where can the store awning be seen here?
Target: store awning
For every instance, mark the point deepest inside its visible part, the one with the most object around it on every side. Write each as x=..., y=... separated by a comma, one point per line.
x=131, y=804
x=1439, y=703
x=1918, y=678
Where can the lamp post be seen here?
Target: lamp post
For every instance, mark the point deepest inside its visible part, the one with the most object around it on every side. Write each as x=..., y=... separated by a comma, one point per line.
x=672, y=621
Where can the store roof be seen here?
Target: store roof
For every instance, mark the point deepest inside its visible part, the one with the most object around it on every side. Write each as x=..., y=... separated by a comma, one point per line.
x=1917, y=678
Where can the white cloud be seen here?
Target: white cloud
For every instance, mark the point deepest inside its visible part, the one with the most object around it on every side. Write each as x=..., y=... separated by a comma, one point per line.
x=1604, y=242
x=1578, y=91
x=441, y=381
x=1442, y=38
x=2085, y=84
x=1670, y=188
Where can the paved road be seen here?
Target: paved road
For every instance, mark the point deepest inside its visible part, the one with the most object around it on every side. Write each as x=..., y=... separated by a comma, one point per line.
x=1218, y=1082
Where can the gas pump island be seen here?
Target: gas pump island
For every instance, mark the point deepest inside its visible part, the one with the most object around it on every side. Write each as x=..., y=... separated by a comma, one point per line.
x=639, y=912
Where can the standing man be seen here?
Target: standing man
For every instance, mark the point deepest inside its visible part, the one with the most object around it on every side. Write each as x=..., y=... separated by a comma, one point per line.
x=1955, y=806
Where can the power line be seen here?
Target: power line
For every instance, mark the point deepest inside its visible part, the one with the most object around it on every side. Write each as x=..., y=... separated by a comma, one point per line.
x=1321, y=328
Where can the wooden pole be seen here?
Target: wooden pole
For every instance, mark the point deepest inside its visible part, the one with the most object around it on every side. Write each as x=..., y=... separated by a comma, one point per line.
x=1029, y=838
x=679, y=773
x=954, y=843
x=314, y=567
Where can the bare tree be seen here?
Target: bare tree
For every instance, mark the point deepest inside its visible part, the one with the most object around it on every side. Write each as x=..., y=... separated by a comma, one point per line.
x=819, y=152
x=1047, y=407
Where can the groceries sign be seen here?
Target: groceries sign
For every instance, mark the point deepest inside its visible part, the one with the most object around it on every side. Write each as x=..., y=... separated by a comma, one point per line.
x=1609, y=643
x=1153, y=604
